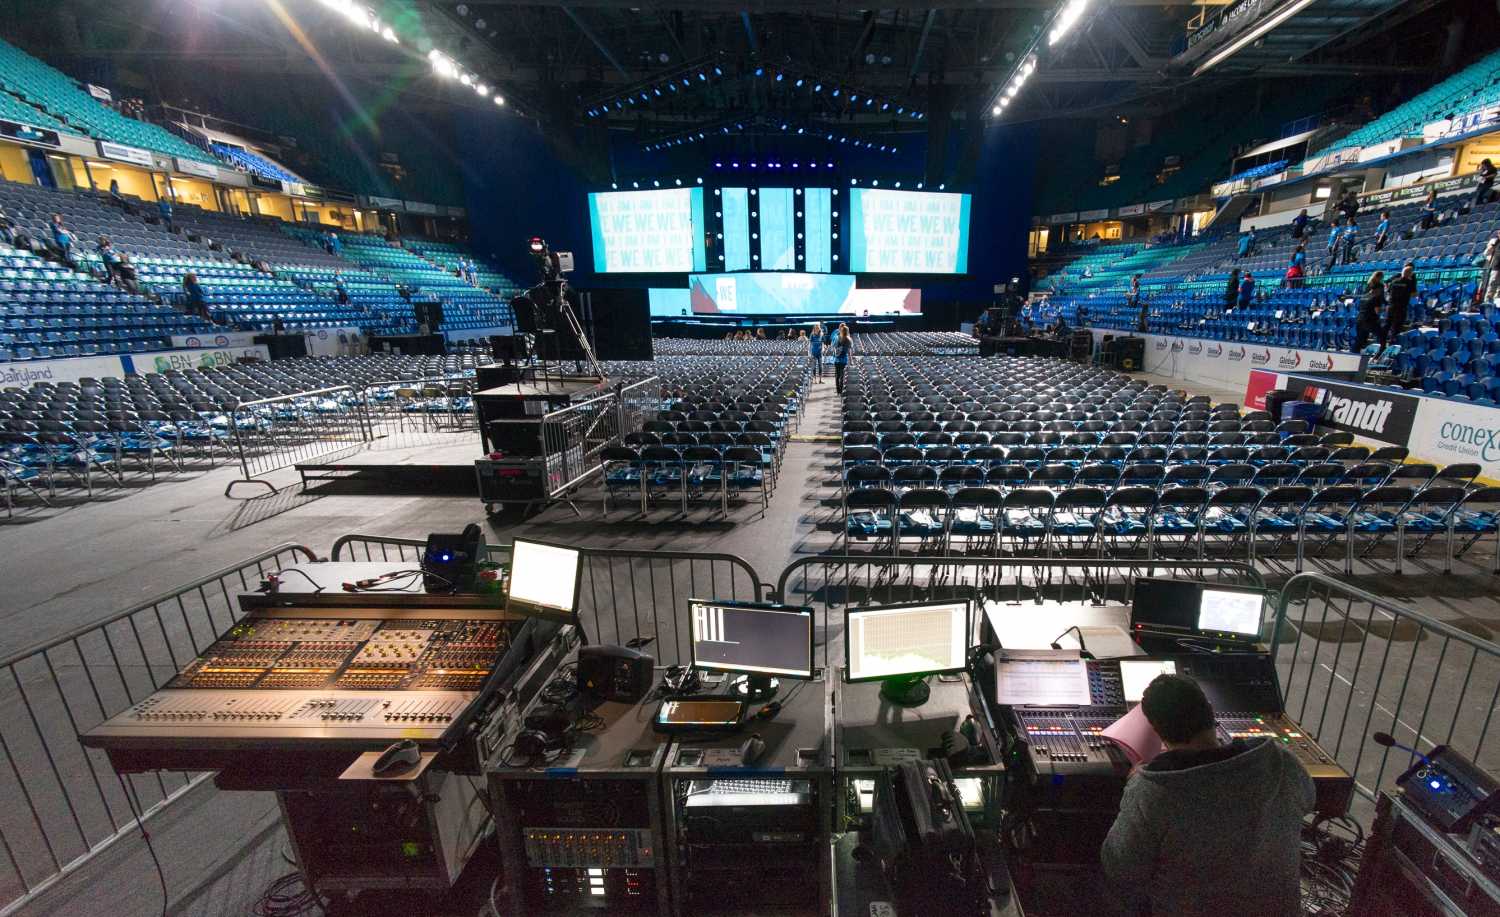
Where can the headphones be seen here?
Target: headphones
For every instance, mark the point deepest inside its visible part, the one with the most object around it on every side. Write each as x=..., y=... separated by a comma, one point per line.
x=680, y=679
x=546, y=730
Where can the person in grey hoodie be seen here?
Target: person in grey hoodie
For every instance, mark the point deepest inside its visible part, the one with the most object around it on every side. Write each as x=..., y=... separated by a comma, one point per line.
x=1208, y=829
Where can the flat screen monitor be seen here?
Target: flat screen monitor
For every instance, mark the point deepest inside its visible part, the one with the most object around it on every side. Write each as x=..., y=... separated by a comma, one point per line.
x=902, y=644
x=648, y=232
x=1136, y=674
x=759, y=641
x=1172, y=607
x=1230, y=614
x=544, y=580
x=908, y=232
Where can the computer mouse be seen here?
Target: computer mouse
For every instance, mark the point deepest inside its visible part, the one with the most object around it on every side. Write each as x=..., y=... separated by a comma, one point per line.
x=401, y=756
x=752, y=750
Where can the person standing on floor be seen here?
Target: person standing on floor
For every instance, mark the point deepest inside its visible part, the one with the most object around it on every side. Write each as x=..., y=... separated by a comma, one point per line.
x=1383, y=230
x=1486, y=182
x=815, y=350
x=1232, y=294
x=1299, y=224
x=1247, y=291
x=842, y=347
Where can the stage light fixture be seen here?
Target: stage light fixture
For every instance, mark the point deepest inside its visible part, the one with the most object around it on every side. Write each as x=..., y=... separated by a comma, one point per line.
x=852, y=181
x=672, y=86
x=736, y=165
x=656, y=91
x=853, y=98
x=943, y=187
x=919, y=186
x=817, y=87
x=799, y=82
x=701, y=77
x=836, y=92
x=614, y=186
x=780, y=77
x=875, y=183
x=884, y=106
x=800, y=130
x=718, y=72
x=679, y=182
x=898, y=184
x=830, y=165
x=1066, y=20
x=760, y=71
x=635, y=184
x=835, y=235
x=700, y=181
x=835, y=257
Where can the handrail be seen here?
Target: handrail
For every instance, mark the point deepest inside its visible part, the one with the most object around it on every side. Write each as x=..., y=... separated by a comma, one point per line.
x=1426, y=621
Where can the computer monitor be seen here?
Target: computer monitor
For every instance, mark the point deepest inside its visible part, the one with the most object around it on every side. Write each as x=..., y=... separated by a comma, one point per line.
x=900, y=645
x=544, y=580
x=760, y=641
x=1136, y=674
x=1187, y=608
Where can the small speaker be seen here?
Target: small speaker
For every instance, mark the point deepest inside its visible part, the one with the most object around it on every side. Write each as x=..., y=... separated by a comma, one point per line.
x=615, y=673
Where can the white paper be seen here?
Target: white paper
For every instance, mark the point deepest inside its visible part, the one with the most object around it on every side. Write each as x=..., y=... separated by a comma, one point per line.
x=1041, y=678
x=1134, y=734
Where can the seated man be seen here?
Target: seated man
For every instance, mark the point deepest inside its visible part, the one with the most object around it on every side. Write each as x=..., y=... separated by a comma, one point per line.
x=1208, y=829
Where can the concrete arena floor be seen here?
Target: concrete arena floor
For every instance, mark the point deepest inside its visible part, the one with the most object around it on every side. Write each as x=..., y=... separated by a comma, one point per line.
x=68, y=568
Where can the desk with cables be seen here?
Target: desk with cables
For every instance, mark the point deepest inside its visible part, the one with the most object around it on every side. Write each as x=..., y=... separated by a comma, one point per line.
x=580, y=826
x=749, y=837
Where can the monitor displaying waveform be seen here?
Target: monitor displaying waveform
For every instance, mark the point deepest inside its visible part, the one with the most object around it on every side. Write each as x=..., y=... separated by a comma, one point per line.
x=904, y=640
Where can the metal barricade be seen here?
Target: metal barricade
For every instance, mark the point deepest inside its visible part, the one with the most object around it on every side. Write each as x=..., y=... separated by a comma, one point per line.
x=1351, y=663
x=62, y=804
x=624, y=595
x=829, y=583
x=275, y=433
x=639, y=402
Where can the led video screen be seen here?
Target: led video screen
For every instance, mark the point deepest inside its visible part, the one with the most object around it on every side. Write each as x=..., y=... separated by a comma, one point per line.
x=908, y=232
x=780, y=293
x=641, y=232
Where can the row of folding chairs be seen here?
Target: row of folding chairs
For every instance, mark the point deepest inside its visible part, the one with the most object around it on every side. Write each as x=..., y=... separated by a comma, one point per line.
x=694, y=473
x=1034, y=457
x=1123, y=439
x=1187, y=522
x=1150, y=474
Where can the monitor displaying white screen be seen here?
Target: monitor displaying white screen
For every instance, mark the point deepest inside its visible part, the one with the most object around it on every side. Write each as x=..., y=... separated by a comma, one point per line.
x=1223, y=611
x=645, y=232
x=908, y=232
x=778, y=227
x=903, y=640
x=752, y=639
x=543, y=577
x=1136, y=674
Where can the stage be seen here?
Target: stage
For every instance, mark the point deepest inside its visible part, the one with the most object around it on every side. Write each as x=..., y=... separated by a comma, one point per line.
x=432, y=468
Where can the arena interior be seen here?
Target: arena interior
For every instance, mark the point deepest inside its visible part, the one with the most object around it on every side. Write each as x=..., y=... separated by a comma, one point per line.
x=1021, y=457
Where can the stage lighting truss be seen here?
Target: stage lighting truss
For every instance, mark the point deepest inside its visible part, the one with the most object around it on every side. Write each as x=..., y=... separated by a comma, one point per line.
x=841, y=97
x=1064, y=21
x=667, y=85
x=767, y=124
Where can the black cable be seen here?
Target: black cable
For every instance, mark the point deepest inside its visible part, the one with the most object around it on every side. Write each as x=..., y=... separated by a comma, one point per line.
x=287, y=896
x=137, y=812
x=317, y=587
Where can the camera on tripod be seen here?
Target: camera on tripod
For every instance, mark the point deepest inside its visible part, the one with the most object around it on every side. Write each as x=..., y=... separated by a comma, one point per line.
x=551, y=265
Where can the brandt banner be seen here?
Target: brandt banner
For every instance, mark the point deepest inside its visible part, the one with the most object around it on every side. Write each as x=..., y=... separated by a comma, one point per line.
x=1228, y=363
x=1366, y=411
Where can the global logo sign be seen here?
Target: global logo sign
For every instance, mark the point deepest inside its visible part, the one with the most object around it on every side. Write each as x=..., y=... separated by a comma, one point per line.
x=322, y=334
x=1216, y=350
x=1236, y=355
x=1470, y=439
x=1195, y=348
x=1262, y=358
x=1161, y=344
x=1321, y=363
x=1289, y=360
x=1176, y=346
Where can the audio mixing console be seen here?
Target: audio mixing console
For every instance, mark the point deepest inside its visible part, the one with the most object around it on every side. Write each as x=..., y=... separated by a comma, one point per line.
x=323, y=672
x=1067, y=741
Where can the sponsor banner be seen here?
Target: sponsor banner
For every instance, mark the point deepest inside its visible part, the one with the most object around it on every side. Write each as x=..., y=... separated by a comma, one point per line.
x=1270, y=180
x=331, y=342
x=1094, y=214
x=1451, y=431
x=218, y=340
x=100, y=93
x=1228, y=364
x=1057, y=218
x=23, y=374
x=162, y=361
x=1367, y=411
x=194, y=167
x=1230, y=188
x=25, y=133
x=260, y=181
x=419, y=207
x=385, y=203
x=1379, y=150
x=295, y=188
x=130, y=154
x=1132, y=210
x=1157, y=206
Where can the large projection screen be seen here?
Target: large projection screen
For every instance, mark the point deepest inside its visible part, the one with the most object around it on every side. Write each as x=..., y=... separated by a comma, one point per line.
x=648, y=232
x=780, y=293
x=908, y=232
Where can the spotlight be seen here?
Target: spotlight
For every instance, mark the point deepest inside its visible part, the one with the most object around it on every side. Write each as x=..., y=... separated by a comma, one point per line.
x=853, y=98
x=817, y=87
x=830, y=165
x=760, y=71
x=996, y=110
x=635, y=184
x=869, y=102
x=836, y=92
x=835, y=257
x=800, y=130
x=655, y=184
x=885, y=106
x=898, y=184
x=499, y=100
x=465, y=79
x=919, y=186
x=736, y=165
x=657, y=91
x=780, y=77
x=943, y=187
x=679, y=183
x=799, y=82
x=875, y=183
x=797, y=165
x=700, y=181
x=672, y=86
x=835, y=236
x=852, y=181
x=614, y=186
x=701, y=77
x=483, y=90
x=718, y=72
